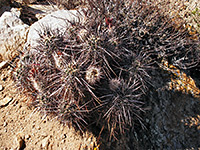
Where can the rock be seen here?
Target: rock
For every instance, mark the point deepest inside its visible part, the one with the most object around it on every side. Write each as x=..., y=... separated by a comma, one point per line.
x=63, y=136
x=38, y=127
x=12, y=34
x=5, y=124
x=17, y=12
x=5, y=101
x=45, y=143
x=4, y=76
x=1, y=87
x=3, y=64
x=57, y=20
x=27, y=137
x=20, y=142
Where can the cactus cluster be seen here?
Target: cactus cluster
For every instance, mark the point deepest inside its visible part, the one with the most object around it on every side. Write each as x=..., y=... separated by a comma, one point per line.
x=100, y=67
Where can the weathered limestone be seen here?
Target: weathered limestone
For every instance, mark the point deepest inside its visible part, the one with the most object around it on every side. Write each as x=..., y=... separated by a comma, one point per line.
x=55, y=21
x=12, y=34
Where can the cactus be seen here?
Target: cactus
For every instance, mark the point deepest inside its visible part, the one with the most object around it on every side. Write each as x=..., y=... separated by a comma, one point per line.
x=121, y=106
x=101, y=66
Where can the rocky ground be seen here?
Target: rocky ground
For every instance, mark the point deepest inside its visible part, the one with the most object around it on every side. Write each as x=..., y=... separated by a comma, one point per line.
x=172, y=120
x=23, y=127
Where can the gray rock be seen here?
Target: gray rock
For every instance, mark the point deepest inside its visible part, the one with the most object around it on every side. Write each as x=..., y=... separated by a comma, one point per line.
x=12, y=34
x=57, y=20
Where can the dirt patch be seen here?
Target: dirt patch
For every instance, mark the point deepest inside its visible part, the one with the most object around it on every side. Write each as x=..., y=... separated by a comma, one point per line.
x=18, y=121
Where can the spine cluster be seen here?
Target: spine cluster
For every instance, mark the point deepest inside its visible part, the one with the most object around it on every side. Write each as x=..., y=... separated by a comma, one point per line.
x=100, y=67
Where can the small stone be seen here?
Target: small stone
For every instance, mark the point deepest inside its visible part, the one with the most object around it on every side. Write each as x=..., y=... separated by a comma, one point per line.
x=38, y=127
x=147, y=120
x=63, y=141
x=5, y=101
x=27, y=137
x=1, y=87
x=5, y=124
x=45, y=143
x=12, y=34
x=3, y=64
x=63, y=136
x=20, y=142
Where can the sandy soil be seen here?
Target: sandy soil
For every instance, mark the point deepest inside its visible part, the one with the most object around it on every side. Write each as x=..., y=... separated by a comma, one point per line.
x=23, y=126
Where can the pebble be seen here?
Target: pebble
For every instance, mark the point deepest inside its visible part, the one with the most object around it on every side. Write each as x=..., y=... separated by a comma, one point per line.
x=27, y=137
x=63, y=141
x=5, y=124
x=38, y=127
x=63, y=136
x=5, y=101
x=1, y=87
x=20, y=142
x=45, y=143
